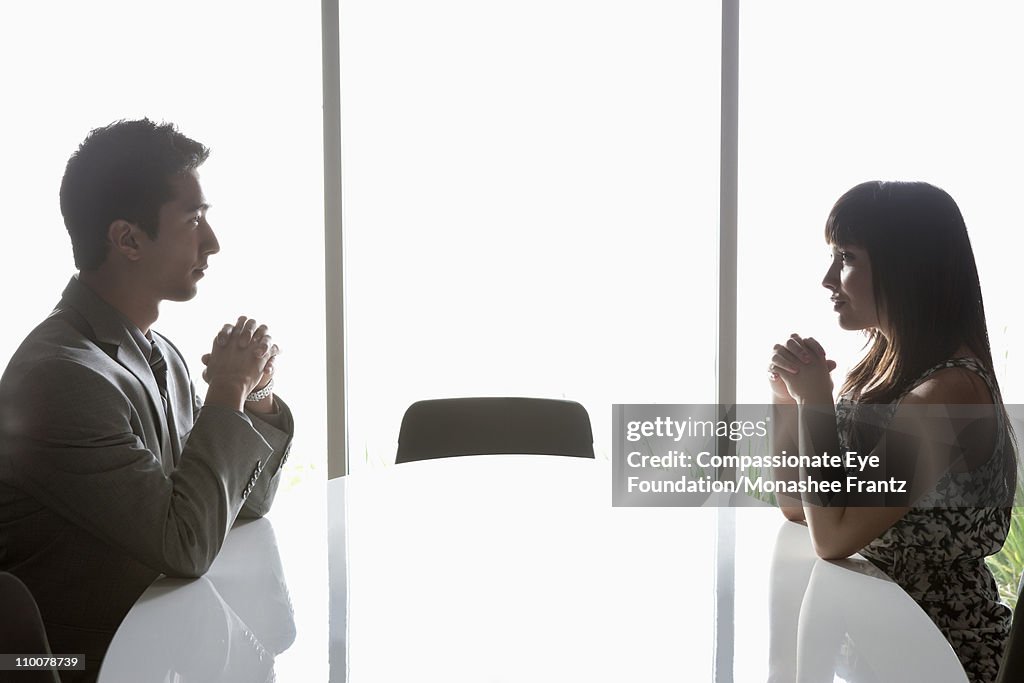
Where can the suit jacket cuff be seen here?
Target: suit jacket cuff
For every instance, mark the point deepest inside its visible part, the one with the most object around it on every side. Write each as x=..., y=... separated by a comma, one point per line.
x=262, y=487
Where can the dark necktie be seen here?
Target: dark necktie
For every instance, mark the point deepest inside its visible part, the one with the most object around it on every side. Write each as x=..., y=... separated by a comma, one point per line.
x=158, y=364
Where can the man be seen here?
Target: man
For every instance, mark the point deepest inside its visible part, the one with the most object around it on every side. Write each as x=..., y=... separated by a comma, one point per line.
x=110, y=474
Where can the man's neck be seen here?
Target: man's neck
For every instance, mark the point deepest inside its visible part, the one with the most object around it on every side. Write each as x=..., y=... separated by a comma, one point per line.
x=130, y=301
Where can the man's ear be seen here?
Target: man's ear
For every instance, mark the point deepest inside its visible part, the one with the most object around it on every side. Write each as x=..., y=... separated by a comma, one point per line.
x=126, y=239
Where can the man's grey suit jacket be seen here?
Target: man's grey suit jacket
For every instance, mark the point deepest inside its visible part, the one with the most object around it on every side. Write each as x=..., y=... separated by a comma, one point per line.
x=94, y=503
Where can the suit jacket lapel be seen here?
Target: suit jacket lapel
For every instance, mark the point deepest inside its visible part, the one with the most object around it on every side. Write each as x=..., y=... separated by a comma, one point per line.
x=131, y=357
x=109, y=328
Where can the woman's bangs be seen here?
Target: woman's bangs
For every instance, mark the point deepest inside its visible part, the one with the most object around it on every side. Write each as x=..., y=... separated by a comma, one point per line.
x=840, y=230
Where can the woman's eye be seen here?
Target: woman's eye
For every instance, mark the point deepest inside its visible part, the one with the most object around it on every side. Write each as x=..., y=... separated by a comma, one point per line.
x=846, y=256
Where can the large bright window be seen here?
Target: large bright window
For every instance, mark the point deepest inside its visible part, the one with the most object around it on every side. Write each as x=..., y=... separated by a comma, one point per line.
x=241, y=77
x=530, y=205
x=833, y=94
x=531, y=189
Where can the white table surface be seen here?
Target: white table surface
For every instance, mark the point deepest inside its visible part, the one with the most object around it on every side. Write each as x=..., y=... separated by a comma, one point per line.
x=517, y=568
x=259, y=614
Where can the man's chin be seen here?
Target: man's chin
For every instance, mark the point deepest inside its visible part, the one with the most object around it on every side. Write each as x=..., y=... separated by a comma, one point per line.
x=184, y=295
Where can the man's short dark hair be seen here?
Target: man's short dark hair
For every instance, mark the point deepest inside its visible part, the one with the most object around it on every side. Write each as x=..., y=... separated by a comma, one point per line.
x=122, y=171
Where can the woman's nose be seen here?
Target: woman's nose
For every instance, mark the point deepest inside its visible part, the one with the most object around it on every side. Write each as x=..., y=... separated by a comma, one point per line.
x=831, y=279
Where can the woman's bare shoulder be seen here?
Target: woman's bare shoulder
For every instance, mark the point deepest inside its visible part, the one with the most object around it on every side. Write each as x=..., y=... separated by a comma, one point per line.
x=953, y=385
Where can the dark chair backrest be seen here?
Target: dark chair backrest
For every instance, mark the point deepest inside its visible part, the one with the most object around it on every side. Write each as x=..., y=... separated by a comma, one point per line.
x=21, y=629
x=448, y=427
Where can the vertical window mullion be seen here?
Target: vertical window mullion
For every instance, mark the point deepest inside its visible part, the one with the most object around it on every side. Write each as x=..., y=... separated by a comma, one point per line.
x=334, y=274
x=725, y=547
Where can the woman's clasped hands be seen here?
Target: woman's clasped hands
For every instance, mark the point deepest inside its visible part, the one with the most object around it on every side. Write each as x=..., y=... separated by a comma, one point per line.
x=799, y=371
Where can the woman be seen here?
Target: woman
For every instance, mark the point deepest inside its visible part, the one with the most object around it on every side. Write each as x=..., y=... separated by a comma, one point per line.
x=903, y=271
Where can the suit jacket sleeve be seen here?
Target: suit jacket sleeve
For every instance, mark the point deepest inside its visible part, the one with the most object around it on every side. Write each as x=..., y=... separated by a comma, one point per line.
x=70, y=443
x=277, y=430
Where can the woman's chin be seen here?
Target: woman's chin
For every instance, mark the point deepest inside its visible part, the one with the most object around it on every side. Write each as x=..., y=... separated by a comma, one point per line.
x=851, y=325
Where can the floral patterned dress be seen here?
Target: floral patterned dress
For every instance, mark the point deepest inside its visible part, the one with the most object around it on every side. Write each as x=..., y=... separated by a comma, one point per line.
x=936, y=553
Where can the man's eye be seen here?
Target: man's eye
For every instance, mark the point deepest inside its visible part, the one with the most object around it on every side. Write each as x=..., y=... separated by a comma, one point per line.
x=196, y=219
x=846, y=256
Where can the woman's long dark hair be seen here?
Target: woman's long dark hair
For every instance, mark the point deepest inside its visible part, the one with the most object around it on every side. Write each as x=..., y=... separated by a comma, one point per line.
x=926, y=288
x=925, y=283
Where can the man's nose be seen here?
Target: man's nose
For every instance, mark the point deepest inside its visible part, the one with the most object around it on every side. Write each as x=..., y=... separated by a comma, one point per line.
x=210, y=243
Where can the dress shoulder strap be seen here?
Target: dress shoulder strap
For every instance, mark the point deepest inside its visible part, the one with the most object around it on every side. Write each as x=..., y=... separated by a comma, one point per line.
x=968, y=363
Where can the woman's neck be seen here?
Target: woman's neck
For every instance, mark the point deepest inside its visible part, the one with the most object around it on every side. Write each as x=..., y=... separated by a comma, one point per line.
x=964, y=351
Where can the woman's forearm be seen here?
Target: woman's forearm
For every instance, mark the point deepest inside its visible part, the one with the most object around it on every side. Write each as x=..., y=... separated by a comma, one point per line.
x=783, y=440
x=818, y=436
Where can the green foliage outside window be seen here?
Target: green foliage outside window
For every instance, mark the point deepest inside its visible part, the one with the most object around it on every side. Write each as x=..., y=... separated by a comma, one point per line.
x=1007, y=564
